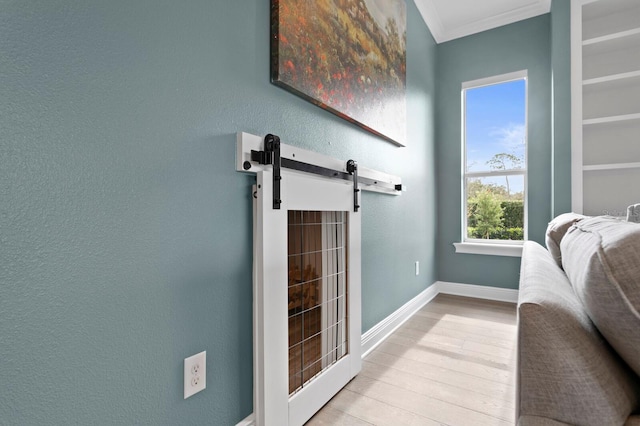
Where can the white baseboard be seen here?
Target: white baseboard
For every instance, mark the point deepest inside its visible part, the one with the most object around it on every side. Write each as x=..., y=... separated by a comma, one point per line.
x=379, y=332
x=478, y=291
x=249, y=421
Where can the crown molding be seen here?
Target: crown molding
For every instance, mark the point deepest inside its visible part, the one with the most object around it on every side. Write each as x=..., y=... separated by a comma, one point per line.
x=441, y=33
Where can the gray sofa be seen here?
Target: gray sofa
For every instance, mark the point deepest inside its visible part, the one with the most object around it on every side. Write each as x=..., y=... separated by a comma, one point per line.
x=579, y=325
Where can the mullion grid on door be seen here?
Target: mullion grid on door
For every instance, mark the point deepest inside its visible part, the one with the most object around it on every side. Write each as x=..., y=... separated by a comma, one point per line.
x=317, y=293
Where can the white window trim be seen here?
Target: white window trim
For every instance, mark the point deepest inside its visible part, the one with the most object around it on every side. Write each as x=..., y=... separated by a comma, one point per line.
x=492, y=247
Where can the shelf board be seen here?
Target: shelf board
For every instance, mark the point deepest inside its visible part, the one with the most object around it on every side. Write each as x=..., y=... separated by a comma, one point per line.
x=610, y=37
x=612, y=77
x=630, y=43
x=611, y=119
x=593, y=10
x=613, y=166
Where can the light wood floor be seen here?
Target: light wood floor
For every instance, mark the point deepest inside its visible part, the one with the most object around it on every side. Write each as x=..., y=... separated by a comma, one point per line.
x=451, y=364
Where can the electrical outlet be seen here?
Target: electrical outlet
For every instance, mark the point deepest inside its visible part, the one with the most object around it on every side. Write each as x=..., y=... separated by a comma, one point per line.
x=195, y=374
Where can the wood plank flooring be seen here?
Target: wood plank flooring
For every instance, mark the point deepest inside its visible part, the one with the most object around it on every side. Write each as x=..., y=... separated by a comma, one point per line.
x=453, y=363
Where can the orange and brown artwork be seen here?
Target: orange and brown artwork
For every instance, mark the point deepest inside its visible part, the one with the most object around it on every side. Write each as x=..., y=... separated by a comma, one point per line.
x=346, y=56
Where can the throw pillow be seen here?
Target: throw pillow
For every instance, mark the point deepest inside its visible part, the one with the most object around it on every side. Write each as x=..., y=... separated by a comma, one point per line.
x=633, y=213
x=557, y=228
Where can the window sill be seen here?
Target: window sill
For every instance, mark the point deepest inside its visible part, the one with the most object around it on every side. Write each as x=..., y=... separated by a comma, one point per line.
x=512, y=250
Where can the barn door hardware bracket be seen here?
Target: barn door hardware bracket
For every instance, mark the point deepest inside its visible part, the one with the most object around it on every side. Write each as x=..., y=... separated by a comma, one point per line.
x=271, y=155
x=352, y=168
x=257, y=153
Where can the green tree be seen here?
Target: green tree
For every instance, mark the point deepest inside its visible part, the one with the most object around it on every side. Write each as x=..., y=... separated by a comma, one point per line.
x=504, y=161
x=475, y=187
x=488, y=214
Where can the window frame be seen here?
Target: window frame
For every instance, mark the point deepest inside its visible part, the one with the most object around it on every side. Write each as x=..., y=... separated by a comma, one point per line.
x=492, y=246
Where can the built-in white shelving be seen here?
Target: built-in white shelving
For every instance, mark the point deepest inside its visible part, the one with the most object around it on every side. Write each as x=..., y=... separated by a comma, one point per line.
x=612, y=166
x=611, y=119
x=605, y=50
x=611, y=37
x=610, y=78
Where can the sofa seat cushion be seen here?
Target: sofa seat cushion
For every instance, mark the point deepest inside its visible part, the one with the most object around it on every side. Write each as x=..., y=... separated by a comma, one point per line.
x=567, y=372
x=556, y=230
x=601, y=257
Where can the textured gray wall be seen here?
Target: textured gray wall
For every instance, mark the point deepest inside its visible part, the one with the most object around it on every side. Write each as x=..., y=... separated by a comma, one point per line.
x=125, y=233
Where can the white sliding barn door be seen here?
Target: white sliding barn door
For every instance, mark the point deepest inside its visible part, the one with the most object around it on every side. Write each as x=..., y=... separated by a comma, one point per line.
x=307, y=322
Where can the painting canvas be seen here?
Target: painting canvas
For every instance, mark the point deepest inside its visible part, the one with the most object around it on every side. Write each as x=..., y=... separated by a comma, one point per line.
x=346, y=56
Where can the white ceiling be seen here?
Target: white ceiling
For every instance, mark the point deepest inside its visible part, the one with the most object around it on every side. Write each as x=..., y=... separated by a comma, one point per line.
x=451, y=19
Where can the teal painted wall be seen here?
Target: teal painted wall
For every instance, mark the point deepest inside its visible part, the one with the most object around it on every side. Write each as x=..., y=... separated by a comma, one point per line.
x=523, y=45
x=125, y=233
x=561, y=78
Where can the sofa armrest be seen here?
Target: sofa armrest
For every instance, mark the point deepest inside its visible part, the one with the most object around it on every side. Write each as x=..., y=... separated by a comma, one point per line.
x=566, y=371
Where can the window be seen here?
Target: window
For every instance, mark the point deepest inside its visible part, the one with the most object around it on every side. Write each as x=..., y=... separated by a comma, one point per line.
x=494, y=138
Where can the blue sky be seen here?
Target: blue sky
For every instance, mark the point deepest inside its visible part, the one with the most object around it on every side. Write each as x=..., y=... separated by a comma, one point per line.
x=495, y=122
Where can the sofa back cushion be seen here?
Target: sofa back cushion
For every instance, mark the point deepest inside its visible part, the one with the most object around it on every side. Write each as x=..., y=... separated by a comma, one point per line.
x=566, y=370
x=601, y=257
x=556, y=230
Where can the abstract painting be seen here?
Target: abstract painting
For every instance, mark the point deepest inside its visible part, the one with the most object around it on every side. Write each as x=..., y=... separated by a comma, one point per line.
x=346, y=56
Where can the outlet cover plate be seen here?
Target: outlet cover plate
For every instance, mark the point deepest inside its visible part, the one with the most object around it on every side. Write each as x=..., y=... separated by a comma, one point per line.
x=195, y=374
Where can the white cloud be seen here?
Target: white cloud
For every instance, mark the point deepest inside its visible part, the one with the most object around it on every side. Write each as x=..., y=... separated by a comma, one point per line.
x=511, y=138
